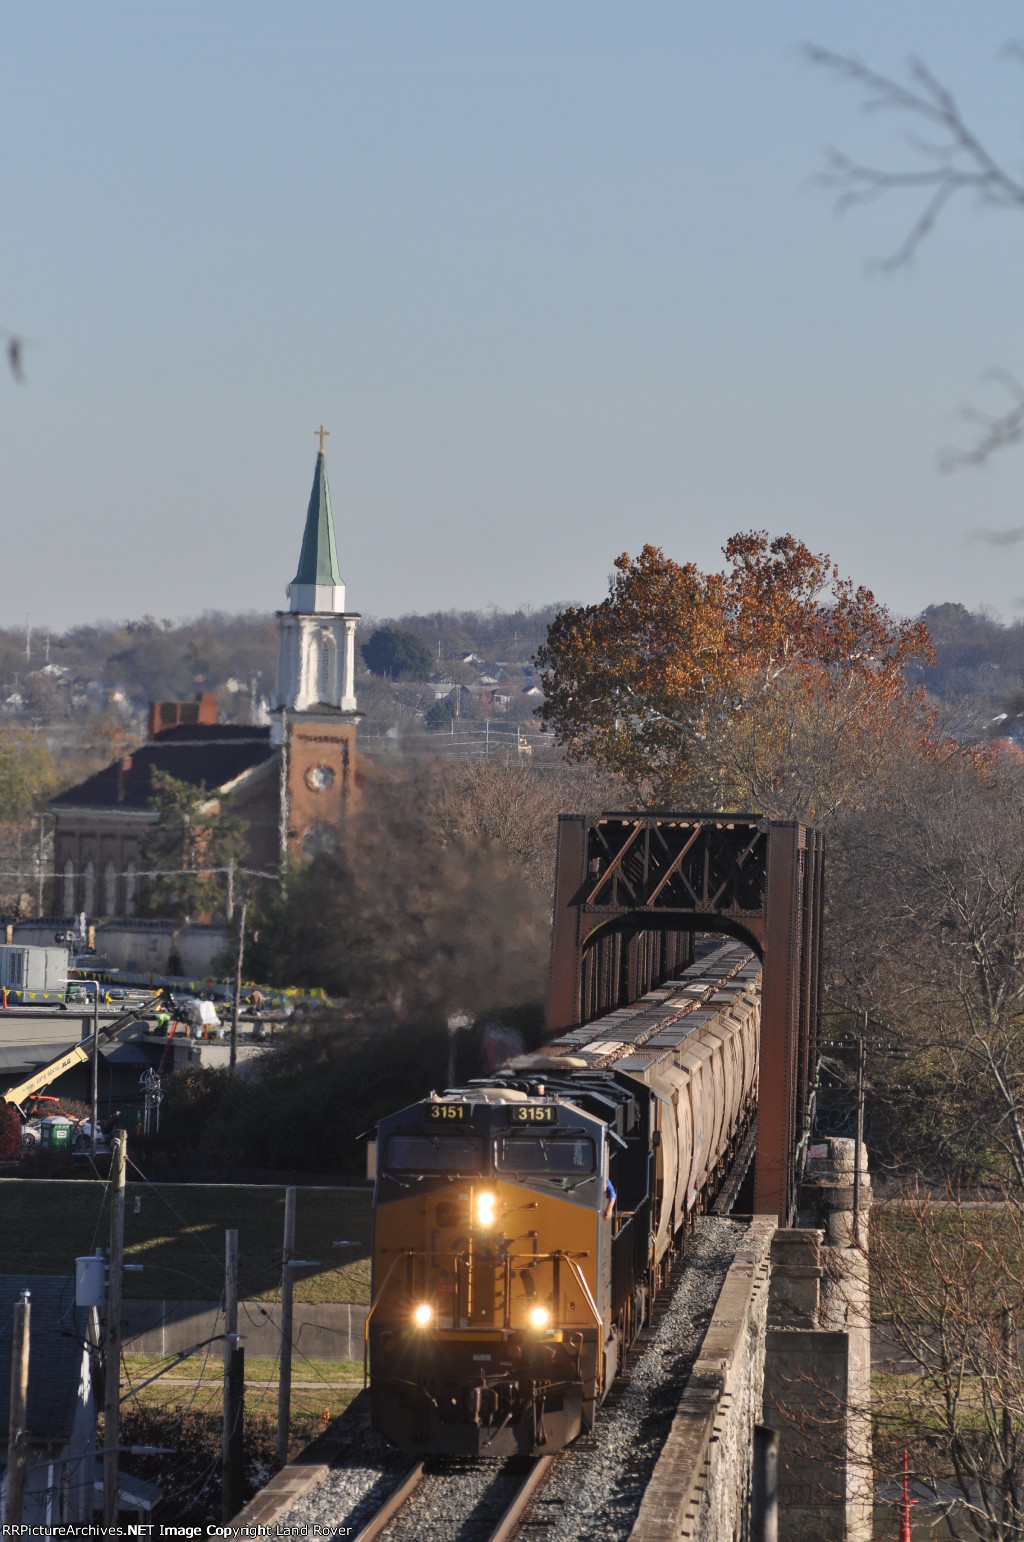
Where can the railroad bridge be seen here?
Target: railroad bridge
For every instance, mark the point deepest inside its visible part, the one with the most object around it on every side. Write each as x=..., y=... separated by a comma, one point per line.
x=630, y=892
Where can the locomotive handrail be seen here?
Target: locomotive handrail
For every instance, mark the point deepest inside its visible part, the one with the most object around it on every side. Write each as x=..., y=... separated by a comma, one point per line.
x=578, y=1272
x=560, y=1253
x=433, y=1253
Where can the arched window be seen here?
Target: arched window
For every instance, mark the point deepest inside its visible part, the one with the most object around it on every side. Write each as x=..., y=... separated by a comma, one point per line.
x=129, y=889
x=109, y=889
x=89, y=888
x=319, y=839
x=325, y=671
x=68, y=903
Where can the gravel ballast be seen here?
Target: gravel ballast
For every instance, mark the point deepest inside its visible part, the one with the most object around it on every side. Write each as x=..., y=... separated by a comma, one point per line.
x=595, y=1491
x=595, y=1487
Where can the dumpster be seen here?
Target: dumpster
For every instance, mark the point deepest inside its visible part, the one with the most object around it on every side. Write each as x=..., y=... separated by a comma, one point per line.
x=57, y=1132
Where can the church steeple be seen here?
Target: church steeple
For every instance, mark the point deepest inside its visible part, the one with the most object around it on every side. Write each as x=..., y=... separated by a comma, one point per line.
x=317, y=586
x=316, y=635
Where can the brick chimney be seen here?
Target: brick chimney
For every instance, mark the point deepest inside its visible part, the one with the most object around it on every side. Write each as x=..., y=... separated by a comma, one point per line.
x=169, y=714
x=122, y=771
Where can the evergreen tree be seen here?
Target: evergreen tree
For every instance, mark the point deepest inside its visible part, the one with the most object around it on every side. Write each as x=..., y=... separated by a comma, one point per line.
x=187, y=848
x=398, y=654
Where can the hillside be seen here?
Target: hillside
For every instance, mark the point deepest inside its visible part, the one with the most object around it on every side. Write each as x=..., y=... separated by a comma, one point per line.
x=87, y=688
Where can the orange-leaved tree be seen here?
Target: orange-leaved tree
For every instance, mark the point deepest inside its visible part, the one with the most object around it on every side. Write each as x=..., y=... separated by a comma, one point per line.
x=775, y=684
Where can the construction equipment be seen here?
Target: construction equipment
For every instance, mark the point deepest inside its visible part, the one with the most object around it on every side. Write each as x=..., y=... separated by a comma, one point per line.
x=32, y=1084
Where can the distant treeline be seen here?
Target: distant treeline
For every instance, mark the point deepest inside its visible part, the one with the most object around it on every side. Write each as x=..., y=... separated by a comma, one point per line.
x=979, y=658
x=152, y=660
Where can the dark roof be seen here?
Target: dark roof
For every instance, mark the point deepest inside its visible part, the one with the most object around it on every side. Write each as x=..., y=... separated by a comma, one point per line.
x=210, y=754
x=27, y=1059
x=56, y=1335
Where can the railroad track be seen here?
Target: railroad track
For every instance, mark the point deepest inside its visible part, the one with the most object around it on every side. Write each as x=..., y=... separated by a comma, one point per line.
x=426, y=1490
x=593, y=1488
x=489, y=1500
x=511, y=1488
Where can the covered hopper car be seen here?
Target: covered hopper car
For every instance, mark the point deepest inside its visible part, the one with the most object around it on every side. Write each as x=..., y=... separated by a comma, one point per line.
x=522, y=1224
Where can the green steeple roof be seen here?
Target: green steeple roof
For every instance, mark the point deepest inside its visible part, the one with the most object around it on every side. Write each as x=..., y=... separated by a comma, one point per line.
x=318, y=559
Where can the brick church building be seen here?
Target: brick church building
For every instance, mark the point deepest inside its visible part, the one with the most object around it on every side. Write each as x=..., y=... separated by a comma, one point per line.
x=292, y=781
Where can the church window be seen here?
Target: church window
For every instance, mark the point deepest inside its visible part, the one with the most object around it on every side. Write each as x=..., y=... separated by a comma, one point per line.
x=129, y=889
x=325, y=681
x=319, y=840
x=68, y=900
x=319, y=778
x=89, y=888
x=109, y=889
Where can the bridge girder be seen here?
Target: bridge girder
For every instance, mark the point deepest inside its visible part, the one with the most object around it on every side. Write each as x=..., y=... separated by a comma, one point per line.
x=630, y=891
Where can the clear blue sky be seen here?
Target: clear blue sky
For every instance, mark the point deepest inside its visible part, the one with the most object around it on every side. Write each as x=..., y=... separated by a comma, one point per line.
x=553, y=274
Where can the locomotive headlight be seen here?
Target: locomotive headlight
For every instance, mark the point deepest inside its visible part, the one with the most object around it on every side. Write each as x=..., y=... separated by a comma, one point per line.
x=539, y=1317
x=485, y=1209
x=423, y=1313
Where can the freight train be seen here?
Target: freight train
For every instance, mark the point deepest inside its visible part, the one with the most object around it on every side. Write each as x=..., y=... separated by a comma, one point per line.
x=523, y=1223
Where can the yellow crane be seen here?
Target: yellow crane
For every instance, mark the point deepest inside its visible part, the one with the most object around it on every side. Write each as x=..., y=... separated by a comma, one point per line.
x=39, y=1079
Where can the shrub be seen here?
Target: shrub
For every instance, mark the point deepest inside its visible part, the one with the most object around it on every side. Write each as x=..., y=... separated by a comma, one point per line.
x=10, y=1133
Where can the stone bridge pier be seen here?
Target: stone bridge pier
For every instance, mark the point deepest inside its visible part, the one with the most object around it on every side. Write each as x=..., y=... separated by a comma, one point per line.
x=788, y=1351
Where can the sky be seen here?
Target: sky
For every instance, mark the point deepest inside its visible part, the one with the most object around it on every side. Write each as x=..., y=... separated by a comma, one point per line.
x=559, y=278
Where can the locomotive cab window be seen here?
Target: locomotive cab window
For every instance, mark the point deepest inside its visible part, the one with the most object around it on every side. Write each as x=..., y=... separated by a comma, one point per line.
x=434, y=1153
x=557, y=1155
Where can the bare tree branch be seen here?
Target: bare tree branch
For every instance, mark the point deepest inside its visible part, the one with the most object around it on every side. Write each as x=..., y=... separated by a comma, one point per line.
x=959, y=161
x=947, y=1304
x=1000, y=431
x=15, y=350
x=947, y=161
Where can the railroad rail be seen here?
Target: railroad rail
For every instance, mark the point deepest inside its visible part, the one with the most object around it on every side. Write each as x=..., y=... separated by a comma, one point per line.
x=420, y=1476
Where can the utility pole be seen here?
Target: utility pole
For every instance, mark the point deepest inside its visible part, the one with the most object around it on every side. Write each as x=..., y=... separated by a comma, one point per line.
x=284, y=1386
x=858, y=1147
x=238, y=991
x=232, y=1453
x=17, y=1432
x=231, y=891
x=764, y=1506
x=112, y=1377
x=282, y=825
x=39, y=874
x=94, y=1111
x=1007, y=1453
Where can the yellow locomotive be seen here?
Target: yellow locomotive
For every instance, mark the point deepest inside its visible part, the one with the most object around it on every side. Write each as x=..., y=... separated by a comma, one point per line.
x=522, y=1223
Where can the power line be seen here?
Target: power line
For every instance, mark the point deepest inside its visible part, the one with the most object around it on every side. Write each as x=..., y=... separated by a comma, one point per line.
x=150, y=872
x=177, y=1216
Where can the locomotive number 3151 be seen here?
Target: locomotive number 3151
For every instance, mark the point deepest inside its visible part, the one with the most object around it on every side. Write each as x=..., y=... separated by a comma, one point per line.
x=533, y=1113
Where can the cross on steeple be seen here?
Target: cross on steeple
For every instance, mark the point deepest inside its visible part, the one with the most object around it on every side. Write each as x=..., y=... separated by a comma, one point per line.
x=324, y=433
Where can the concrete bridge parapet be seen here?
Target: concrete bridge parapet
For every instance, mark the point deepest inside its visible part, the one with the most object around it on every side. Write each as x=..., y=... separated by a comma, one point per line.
x=700, y=1486
x=787, y=1348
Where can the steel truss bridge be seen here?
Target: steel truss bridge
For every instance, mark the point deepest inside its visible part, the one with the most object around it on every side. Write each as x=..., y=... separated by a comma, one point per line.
x=631, y=890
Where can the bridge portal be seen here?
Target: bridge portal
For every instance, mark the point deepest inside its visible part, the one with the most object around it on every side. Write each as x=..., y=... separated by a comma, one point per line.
x=631, y=889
